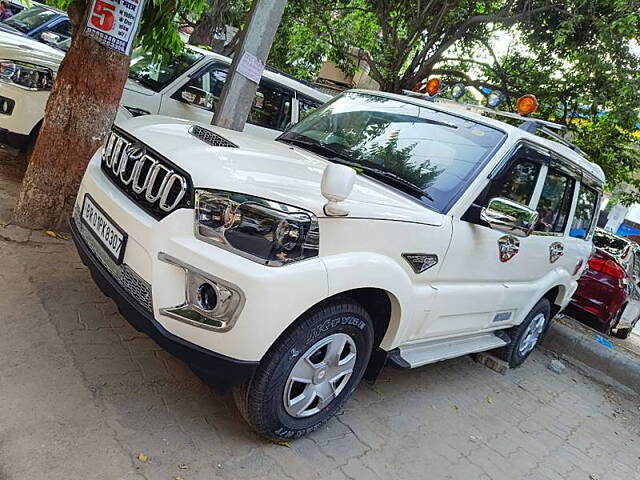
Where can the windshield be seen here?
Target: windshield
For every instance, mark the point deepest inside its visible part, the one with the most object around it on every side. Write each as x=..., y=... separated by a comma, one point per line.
x=156, y=72
x=611, y=244
x=30, y=18
x=428, y=154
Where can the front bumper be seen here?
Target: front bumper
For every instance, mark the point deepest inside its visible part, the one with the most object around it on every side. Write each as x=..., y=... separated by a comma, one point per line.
x=275, y=296
x=26, y=112
x=15, y=140
x=221, y=371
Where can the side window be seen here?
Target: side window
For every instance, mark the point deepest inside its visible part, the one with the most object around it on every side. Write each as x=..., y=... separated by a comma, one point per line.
x=306, y=106
x=517, y=183
x=555, y=202
x=62, y=28
x=271, y=107
x=585, y=211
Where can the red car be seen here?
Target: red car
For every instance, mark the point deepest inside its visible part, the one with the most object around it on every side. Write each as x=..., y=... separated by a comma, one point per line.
x=608, y=294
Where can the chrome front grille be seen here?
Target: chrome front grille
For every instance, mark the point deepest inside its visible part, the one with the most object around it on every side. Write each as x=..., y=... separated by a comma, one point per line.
x=130, y=281
x=149, y=179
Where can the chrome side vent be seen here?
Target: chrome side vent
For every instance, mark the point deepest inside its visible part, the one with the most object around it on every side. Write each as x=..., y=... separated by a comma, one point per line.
x=211, y=138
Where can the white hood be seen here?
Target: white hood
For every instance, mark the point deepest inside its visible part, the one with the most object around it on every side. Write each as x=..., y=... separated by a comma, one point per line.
x=25, y=49
x=134, y=86
x=269, y=169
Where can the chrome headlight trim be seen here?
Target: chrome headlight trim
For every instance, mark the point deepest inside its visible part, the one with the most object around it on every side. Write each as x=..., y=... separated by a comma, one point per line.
x=309, y=246
x=7, y=77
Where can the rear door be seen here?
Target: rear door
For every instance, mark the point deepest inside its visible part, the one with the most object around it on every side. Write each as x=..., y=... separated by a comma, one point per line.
x=551, y=255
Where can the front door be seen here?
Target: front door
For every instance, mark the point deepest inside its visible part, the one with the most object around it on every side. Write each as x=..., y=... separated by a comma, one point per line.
x=269, y=114
x=487, y=275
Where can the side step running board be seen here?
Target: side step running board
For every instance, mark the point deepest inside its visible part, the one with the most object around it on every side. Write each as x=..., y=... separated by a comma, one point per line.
x=423, y=353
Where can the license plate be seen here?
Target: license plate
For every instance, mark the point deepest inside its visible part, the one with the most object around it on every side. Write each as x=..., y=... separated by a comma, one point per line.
x=110, y=236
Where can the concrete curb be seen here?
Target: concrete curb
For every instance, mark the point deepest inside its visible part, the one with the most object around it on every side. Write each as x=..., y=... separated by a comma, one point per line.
x=571, y=340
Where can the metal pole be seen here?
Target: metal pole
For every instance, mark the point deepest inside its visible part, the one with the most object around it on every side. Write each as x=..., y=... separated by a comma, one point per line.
x=242, y=81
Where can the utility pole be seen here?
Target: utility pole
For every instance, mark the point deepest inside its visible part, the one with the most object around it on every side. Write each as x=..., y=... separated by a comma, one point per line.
x=246, y=69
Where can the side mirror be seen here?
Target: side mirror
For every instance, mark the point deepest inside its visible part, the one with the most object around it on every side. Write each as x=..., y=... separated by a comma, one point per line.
x=288, y=126
x=508, y=216
x=197, y=96
x=337, y=184
x=50, y=37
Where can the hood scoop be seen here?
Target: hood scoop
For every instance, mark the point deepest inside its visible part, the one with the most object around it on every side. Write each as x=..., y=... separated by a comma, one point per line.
x=210, y=137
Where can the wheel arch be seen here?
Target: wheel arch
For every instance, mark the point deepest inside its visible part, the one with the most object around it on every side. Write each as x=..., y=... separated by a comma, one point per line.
x=385, y=311
x=556, y=296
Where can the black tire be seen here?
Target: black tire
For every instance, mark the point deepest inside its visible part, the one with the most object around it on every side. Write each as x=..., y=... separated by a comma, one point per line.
x=622, y=333
x=512, y=353
x=26, y=151
x=261, y=400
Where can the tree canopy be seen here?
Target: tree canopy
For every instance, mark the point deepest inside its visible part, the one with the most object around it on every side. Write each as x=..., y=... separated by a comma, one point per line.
x=576, y=57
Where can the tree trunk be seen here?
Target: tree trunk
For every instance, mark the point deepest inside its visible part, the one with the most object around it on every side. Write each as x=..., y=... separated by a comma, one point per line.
x=79, y=114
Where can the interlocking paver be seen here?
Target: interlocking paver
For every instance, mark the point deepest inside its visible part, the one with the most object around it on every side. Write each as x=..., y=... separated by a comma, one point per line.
x=62, y=339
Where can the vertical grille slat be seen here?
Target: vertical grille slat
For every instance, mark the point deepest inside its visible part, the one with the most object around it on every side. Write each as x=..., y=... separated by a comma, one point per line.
x=154, y=183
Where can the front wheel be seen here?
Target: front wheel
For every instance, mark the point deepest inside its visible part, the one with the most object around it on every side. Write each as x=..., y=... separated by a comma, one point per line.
x=526, y=336
x=310, y=372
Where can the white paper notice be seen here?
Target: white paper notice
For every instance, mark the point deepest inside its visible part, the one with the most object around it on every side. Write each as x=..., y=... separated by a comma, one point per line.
x=114, y=23
x=250, y=67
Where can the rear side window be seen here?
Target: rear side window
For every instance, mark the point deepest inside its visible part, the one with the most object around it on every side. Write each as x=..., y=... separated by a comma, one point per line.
x=517, y=183
x=555, y=203
x=271, y=107
x=585, y=211
x=306, y=106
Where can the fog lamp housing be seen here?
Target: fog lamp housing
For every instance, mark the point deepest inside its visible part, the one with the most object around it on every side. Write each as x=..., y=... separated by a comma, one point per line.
x=210, y=302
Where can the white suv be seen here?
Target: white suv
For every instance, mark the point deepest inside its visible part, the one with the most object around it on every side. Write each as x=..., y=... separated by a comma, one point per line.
x=381, y=228
x=187, y=85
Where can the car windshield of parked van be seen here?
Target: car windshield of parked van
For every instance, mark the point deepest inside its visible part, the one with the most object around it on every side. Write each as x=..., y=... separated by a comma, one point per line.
x=423, y=152
x=30, y=18
x=158, y=71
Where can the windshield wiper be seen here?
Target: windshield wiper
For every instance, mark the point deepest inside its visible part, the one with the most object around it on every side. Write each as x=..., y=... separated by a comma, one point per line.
x=315, y=146
x=378, y=172
x=337, y=157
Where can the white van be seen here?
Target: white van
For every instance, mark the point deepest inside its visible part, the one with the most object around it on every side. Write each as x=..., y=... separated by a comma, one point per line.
x=380, y=229
x=186, y=86
x=189, y=85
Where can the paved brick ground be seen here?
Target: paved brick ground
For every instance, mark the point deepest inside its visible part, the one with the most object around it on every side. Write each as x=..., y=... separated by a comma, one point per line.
x=82, y=393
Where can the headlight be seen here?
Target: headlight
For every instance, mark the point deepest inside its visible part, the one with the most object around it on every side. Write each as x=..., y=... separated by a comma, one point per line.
x=26, y=75
x=267, y=232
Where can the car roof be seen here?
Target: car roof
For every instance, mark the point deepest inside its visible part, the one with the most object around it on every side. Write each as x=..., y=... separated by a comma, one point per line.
x=512, y=131
x=271, y=75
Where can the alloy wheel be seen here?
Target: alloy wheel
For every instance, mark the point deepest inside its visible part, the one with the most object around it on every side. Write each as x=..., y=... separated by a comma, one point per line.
x=319, y=375
x=532, y=334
